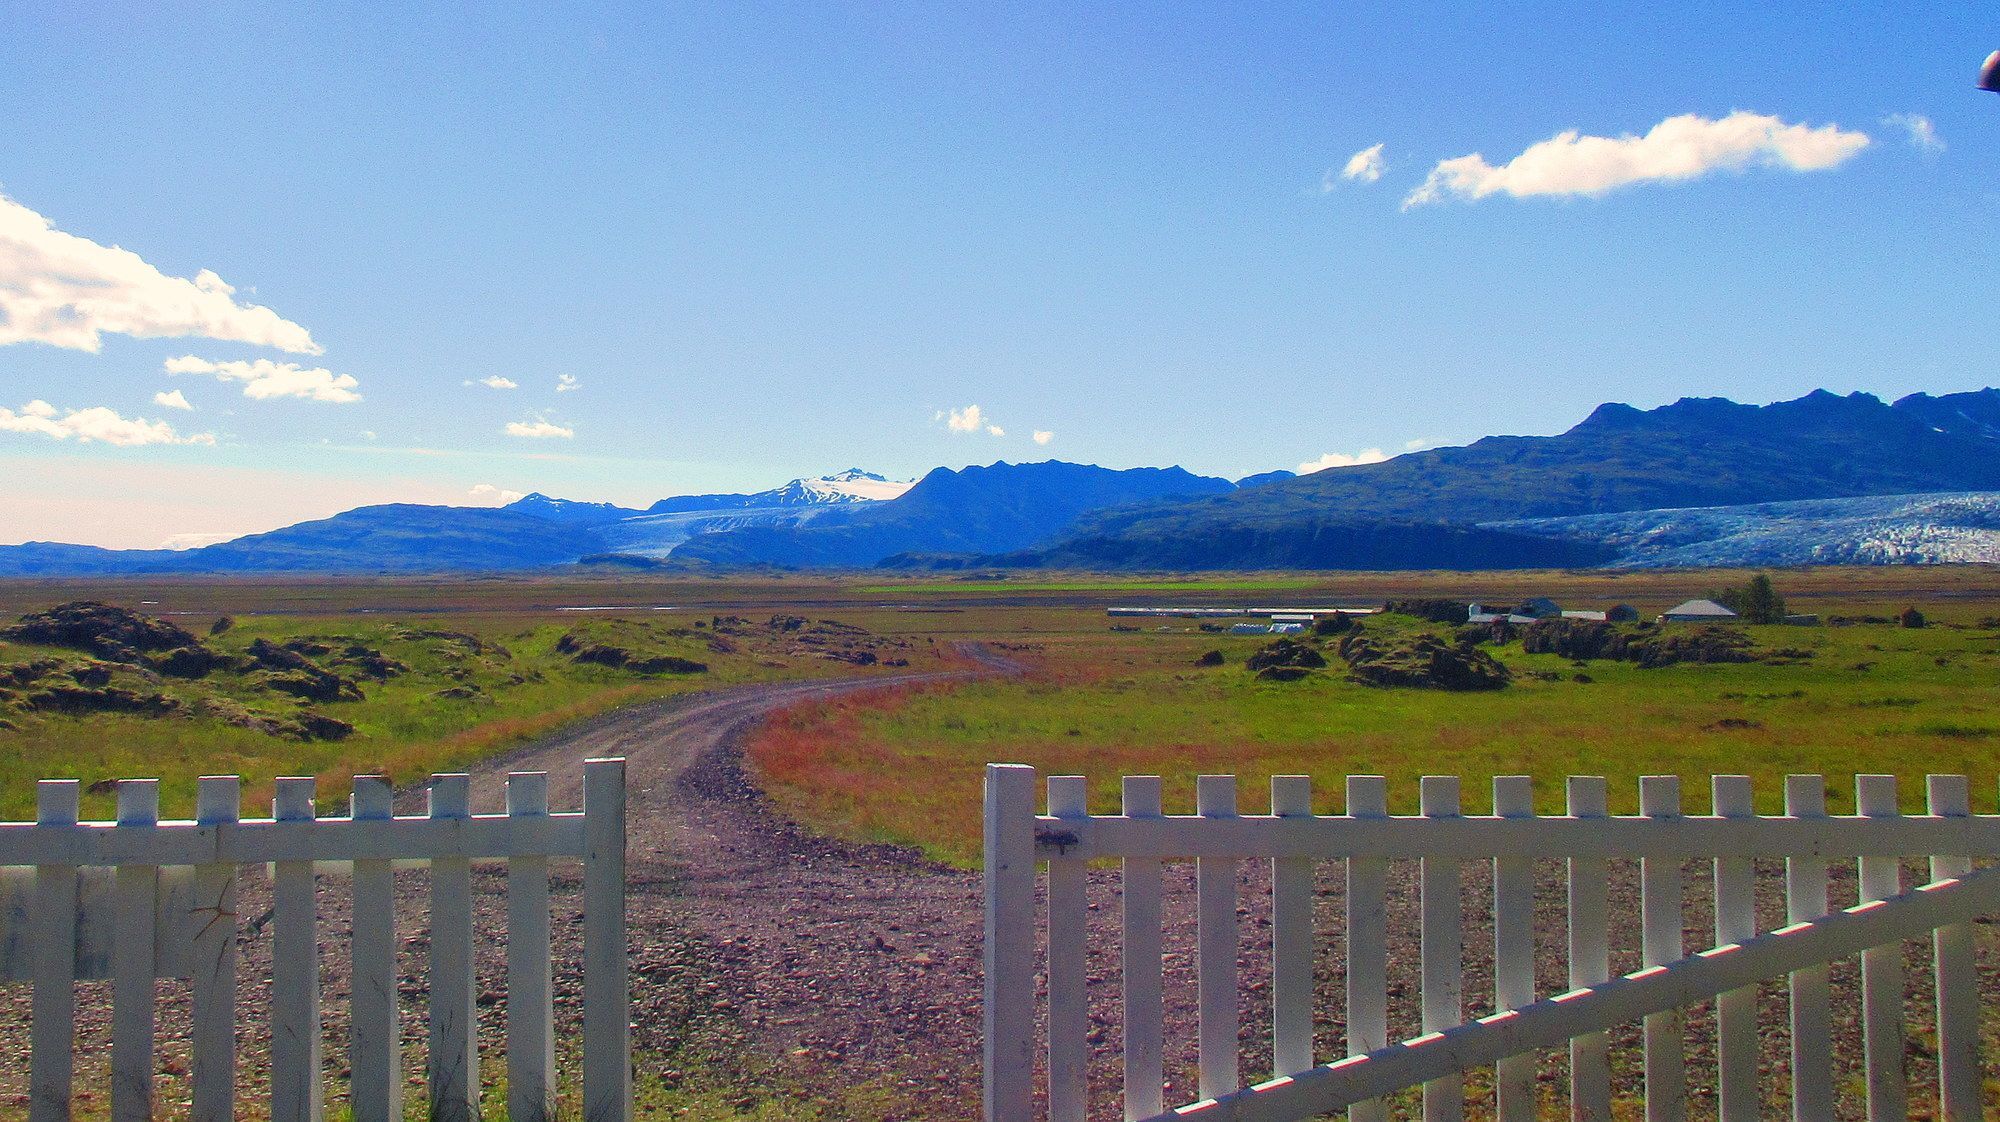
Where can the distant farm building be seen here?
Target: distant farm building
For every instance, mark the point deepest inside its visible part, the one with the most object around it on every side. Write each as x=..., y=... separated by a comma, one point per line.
x=1250, y=629
x=1806, y=619
x=1594, y=617
x=1698, y=611
x=1477, y=613
x=1539, y=607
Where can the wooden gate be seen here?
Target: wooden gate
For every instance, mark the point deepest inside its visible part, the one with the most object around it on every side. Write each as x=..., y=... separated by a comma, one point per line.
x=1443, y=840
x=139, y=899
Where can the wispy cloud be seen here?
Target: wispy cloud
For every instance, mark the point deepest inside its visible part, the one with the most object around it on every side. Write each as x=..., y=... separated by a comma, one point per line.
x=1365, y=166
x=263, y=379
x=567, y=383
x=487, y=494
x=94, y=424
x=494, y=382
x=1922, y=133
x=1343, y=459
x=68, y=291
x=172, y=399
x=1675, y=150
x=1043, y=436
x=538, y=429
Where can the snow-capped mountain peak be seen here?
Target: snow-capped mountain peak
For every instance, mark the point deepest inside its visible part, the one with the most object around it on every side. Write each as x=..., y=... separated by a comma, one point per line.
x=850, y=486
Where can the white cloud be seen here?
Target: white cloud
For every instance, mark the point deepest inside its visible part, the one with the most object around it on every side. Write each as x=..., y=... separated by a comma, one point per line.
x=487, y=493
x=1677, y=149
x=1343, y=459
x=538, y=430
x=969, y=419
x=171, y=399
x=1923, y=134
x=263, y=379
x=495, y=382
x=1043, y=436
x=67, y=291
x=368, y=434
x=94, y=424
x=566, y=383
x=1413, y=445
x=1365, y=166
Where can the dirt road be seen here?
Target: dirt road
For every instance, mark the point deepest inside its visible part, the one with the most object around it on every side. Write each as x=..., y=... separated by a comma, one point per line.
x=830, y=960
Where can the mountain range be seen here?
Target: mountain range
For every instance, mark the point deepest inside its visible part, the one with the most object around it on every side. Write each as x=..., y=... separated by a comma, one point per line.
x=1703, y=481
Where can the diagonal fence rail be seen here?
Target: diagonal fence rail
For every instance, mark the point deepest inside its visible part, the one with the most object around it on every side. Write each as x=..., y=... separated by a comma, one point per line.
x=138, y=899
x=1443, y=841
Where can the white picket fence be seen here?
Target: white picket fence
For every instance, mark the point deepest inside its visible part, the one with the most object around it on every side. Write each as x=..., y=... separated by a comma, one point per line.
x=1443, y=840
x=139, y=899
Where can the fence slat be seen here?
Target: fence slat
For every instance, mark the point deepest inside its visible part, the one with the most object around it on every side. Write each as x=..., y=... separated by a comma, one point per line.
x=1216, y=940
x=1514, y=948
x=1069, y=1006
x=1811, y=993
x=1959, y=1075
x=53, y=1033
x=1008, y=1088
x=1367, y=939
x=295, y=1024
x=374, y=1053
x=1291, y=937
x=454, y=1036
x=1660, y=891
x=531, y=1042
x=1589, y=956
x=218, y=802
x=1882, y=1030
x=1443, y=946
x=1145, y=1045
x=132, y=964
x=1735, y=921
x=607, y=992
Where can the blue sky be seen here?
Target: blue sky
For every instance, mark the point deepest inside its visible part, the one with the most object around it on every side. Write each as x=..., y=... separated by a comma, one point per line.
x=790, y=240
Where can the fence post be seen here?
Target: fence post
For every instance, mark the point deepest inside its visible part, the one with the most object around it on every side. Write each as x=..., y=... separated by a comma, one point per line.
x=373, y=1055
x=1009, y=1010
x=1882, y=1036
x=1291, y=937
x=1442, y=947
x=1217, y=937
x=1660, y=891
x=1811, y=998
x=607, y=992
x=218, y=804
x=1144, y=1013
x=1367, y=939
x=1735, y=921
x=295, y=1023
x=1514, y=948
x=1589, y=957
x=531, y=1041
x=454, y=1033
x=132, y=963
x=51, y=1061
x=1959, y=1074
x=1069, y=1007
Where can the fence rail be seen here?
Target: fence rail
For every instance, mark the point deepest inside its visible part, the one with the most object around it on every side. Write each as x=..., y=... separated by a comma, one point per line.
x=139, y=899
x=1442, y=840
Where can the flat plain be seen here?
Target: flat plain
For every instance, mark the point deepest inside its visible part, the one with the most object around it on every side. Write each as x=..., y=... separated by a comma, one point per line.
x=888, y=776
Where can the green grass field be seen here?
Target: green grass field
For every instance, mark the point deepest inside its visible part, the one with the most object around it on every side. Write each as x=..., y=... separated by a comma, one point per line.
x=1871, y=698
x=471, y=685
